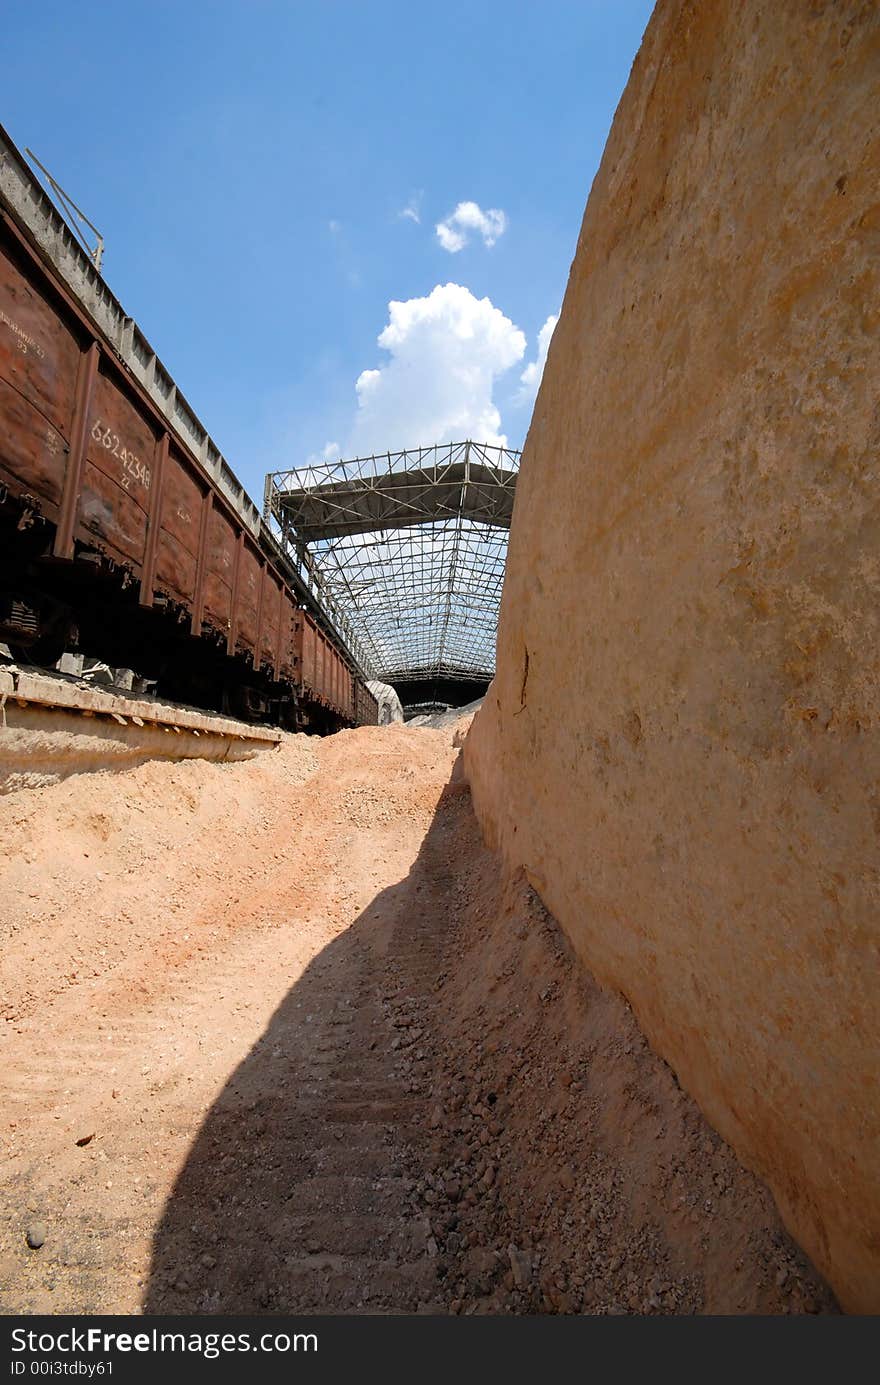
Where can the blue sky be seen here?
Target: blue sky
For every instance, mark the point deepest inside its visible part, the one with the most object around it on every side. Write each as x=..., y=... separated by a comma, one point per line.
x=250, y=164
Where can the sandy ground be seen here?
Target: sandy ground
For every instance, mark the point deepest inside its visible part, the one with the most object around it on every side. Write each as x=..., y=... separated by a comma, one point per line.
x=278, y=1037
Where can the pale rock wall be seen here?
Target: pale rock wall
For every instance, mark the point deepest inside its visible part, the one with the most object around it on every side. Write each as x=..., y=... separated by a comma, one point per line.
x=390, y=709
x=681, y=742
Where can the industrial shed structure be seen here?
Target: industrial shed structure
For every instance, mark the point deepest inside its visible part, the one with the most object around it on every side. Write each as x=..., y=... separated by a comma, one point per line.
x=411, y=546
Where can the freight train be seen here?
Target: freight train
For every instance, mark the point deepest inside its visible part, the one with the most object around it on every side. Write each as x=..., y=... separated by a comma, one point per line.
x=123, y=532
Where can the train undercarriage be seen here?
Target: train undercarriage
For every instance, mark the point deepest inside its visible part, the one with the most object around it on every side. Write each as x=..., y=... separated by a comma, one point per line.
x=90, y=606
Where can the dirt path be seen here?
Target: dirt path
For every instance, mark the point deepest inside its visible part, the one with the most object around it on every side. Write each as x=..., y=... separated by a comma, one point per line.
x=278, y=1038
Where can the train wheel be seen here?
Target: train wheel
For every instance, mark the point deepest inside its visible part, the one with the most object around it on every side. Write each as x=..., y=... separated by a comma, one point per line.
x=44, y=652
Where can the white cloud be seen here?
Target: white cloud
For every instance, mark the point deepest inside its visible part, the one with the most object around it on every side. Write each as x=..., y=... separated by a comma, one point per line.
x=531, y=376
x=412, y=210
x=446, y=352
x=334, y=227
x=454, y=233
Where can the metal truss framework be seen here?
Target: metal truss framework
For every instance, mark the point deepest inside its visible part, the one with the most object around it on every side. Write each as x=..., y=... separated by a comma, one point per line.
x=409, y=548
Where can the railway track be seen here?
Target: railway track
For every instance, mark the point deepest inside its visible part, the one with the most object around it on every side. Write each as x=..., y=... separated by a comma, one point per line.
x=52, y=726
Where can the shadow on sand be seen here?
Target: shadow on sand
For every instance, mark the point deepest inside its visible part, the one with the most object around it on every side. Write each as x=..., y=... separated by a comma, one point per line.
x=448, y=1114
x=297, y=1193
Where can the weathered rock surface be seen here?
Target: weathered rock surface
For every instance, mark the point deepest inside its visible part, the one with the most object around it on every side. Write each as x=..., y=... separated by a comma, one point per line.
x=681, y=743
x=390, y=709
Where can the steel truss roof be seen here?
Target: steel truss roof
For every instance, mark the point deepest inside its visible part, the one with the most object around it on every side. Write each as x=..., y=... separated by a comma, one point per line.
x=409, y=547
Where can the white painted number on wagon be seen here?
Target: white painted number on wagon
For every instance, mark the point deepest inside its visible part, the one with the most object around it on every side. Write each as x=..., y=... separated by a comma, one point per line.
x=133, y=469
x=24, y=342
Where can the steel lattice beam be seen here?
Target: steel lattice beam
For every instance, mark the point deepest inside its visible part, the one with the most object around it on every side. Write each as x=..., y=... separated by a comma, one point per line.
x=411, y=546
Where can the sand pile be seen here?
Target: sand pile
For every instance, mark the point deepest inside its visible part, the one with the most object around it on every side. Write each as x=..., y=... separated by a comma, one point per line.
x=278, y=1038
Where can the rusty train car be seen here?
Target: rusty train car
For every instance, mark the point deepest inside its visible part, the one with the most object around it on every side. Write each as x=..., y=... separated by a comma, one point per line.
x=123, y=531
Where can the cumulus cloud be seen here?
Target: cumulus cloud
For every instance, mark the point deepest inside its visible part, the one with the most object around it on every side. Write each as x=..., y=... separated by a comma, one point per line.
x=455, y=232
x=446, y=352
x=531, y=376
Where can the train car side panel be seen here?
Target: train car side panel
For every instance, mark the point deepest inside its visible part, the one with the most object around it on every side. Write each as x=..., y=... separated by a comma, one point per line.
x=178, y=549
x=348, y=695
x=269, y=635
x=329, y=673
x=342, y=698
x=298, y=628
x=367, y=708
x=288, y=667
x=220, y=556
x=332, y=675
x=309, y=651
x=247, y=603
x=115, y=495
x=352, y=696
x=317, y=661
x=336, y=679
x=345, y=690
x=39, y=358
x=318, y=670
x=321, y=669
